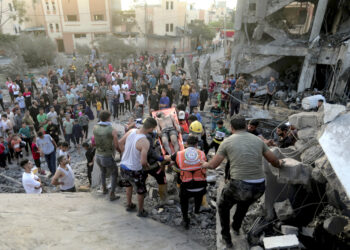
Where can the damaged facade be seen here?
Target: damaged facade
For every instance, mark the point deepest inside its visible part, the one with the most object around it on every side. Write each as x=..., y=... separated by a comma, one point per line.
x=303, y=43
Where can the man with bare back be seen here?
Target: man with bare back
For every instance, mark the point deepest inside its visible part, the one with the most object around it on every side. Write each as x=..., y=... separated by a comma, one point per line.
x=168, y=129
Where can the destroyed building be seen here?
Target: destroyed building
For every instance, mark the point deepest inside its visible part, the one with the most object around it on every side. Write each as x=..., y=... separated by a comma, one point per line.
x=305, y=44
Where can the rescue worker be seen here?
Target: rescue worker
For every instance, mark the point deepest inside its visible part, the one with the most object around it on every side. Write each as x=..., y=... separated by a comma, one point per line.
x=192, y=176
x=156, y=167
x=247, y=181
x=183, y=125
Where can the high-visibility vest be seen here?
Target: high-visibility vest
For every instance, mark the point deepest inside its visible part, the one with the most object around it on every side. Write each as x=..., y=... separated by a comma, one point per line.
x=189, y=162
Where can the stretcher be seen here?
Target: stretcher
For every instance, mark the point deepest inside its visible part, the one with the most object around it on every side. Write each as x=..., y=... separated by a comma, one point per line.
x=171, y=111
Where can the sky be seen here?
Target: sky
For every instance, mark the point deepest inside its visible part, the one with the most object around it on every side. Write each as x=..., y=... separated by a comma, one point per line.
x=203, y=4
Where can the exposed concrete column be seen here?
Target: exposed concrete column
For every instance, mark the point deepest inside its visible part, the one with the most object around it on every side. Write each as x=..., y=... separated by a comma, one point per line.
x=309, y=67
x=239, y=36
x=261, y=8
x=307, y=74
x=239, y=14
x=318, y=20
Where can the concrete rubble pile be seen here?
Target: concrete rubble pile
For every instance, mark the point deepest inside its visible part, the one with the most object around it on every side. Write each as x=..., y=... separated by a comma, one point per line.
x=310, y=196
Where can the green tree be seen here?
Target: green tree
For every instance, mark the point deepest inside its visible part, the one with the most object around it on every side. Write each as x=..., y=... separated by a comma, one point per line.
x=115, y=49
x=217, y=25
x=201, y=32
x=35, y=50
x=18, y=12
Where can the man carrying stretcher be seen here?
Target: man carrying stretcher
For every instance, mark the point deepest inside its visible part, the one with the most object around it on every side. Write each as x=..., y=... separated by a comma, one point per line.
x=168, y=129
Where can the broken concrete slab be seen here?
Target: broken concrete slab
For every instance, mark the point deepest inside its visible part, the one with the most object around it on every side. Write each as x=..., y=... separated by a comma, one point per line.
x=335, y=225
x=294, y=172
x=153, y=193
x=284, y=210
x=335, y=142
x=311, y=154
x=281, y=242
x=308, y=231
x=317, y=175
x=256, y=248
x=286, y=229
x=305, y=119
x=331, y=111
x=307, y=133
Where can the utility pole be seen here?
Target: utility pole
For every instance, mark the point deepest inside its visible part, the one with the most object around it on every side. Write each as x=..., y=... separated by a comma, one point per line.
x=225, y=38
x=146, y=41
x=183, y=38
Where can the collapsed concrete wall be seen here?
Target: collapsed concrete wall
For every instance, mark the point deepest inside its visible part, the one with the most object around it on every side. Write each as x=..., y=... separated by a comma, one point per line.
x=311, y=191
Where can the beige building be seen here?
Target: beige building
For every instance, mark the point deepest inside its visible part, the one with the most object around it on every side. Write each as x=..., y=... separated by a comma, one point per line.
x=10, y=21
x=162, y=25
x=73, y=22
x=67, y=22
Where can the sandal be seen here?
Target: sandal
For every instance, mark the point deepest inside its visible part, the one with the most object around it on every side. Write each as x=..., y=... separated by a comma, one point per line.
x=130, y=207
x=143, y=213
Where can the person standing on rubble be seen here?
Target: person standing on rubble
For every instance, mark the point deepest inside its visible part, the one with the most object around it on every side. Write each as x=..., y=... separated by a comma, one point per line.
x=271, y=90
x=246, y=184
x=192, y=176
x=106, y=140
x=134, y=146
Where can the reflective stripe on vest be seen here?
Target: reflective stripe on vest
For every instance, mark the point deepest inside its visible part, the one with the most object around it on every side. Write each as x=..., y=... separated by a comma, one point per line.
x=191, y=167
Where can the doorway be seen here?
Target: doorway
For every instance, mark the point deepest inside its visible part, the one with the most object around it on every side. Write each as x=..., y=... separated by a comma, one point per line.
x=60, y=45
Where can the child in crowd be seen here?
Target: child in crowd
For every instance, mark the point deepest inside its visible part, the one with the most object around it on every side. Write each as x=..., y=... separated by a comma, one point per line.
x=36, y=156
x=138, y=111
x=25, y=135
x=219, y=135
x=64, y=150
x=17, y=148
x=7, y=150
x=216, y=115
x=198, y=115
x=2, y=154
x=77, y=133
x=98, y=108
x=90, y=155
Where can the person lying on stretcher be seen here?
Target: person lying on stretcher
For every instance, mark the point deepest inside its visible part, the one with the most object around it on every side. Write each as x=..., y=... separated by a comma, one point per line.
x=168, y=129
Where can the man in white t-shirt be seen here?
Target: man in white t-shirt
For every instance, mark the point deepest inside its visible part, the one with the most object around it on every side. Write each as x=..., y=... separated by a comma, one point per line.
x=31, y=183
x=140, y=98
x=116, y=88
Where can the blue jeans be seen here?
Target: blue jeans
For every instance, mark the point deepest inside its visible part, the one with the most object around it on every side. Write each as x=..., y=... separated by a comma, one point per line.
x=51, y=161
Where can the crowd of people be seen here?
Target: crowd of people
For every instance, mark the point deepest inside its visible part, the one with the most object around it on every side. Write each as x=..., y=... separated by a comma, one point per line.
x=54, y=112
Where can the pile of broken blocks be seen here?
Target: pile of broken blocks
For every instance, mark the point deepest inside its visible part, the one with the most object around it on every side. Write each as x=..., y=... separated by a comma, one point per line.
x=307, y=201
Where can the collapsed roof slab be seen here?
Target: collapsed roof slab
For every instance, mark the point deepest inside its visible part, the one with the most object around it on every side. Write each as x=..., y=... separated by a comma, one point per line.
x=335, y=142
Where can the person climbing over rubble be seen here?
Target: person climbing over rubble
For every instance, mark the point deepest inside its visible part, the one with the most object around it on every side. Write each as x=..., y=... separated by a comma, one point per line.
x=192, y=176
x=286, y=136
x=156, y=166
x=247, y=182
x=168, y=129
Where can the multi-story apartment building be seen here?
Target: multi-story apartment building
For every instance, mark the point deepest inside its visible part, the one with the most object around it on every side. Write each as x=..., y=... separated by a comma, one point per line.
x=67, y=22
x=162, y=25
x=72, y=22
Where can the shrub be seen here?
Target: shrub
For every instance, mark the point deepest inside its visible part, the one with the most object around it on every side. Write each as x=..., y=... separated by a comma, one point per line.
x=114, y=49
x=36, y=50
x=15, y=67
x=83, y=49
